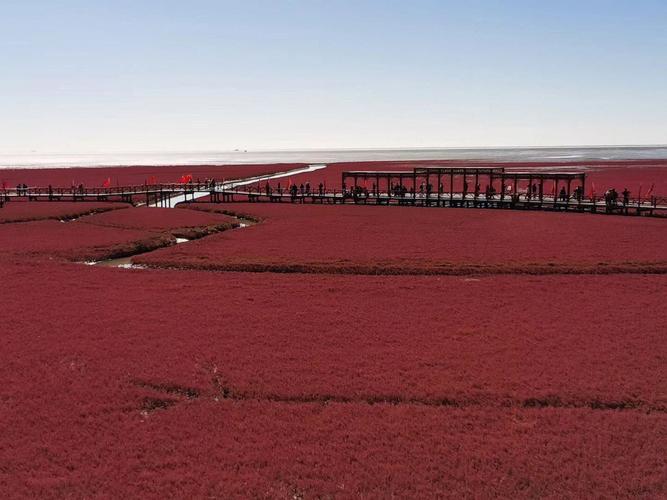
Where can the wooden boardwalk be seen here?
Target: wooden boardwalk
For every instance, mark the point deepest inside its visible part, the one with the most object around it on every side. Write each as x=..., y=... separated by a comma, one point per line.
x=149, y=195
x=458, y=200
x=164, y=195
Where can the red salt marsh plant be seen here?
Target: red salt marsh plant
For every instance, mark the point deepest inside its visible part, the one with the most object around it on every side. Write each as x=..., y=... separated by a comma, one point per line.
x=76, y=241
x=30, y=211
x=185, y=383
x=260, y=449
x=133, y=175
x=190, y=383
x=504, y=341
x=407, y=240
x=188, y=224
x=120, y=231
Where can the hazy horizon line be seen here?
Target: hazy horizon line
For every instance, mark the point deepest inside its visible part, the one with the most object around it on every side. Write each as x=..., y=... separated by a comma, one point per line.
x=272, y=150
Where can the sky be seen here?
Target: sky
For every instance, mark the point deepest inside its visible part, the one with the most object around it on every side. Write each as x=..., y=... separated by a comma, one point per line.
x=174, y=75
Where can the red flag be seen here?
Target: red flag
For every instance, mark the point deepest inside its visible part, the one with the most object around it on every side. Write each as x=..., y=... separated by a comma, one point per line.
x=152, y=180
x=186, y=178
x=289, y=182
x=107, y=182
x=650, y=190
x=592, y=190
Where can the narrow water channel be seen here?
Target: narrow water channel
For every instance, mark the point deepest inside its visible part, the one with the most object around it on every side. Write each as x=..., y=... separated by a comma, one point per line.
x=127, y=263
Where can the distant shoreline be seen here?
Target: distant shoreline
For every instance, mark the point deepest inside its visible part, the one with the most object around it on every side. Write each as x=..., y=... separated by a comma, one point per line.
x=535, y=154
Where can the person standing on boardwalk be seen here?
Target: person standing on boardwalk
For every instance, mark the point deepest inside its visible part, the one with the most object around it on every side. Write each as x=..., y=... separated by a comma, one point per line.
x=626, y=197
x=610, y=198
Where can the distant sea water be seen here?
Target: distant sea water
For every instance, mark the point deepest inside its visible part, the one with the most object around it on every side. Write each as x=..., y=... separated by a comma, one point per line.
x=564, y=154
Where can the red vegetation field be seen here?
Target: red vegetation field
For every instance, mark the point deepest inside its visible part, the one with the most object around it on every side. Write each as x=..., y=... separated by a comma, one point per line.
x=101, y=230
x=396, y=240
x=75, y=241
x=186, y=383
x=186, y=223
x=324, y=385
x=95, y=177
x=501, y=341
x=29, y=211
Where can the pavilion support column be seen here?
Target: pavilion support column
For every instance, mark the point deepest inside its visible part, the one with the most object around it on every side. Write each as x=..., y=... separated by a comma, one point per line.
x=569, y=182
x=541, y=191
x=439, y=186
x=583, y=185
x=529, y=193
x=476, y=183
x=491, y=179
x=451, y=188
x=414, y=187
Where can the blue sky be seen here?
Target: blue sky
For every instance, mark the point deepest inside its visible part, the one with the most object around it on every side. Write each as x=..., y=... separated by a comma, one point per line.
x=120, y=75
